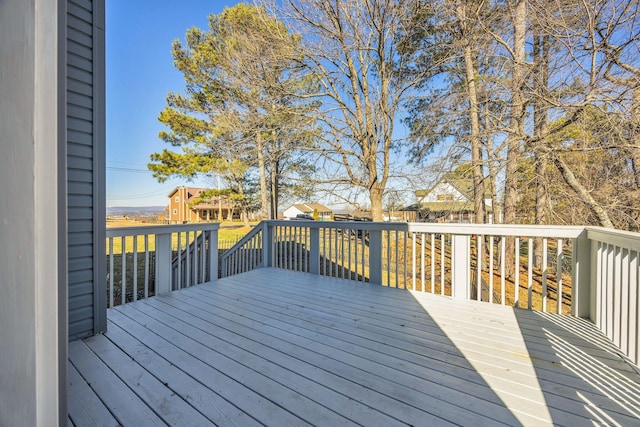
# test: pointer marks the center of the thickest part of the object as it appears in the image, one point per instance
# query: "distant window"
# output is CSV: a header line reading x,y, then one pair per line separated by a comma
x,y
445,197
177,199
175,211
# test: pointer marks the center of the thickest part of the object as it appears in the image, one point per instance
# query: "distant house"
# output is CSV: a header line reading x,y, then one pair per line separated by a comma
x,y
316,210
450,200
182,210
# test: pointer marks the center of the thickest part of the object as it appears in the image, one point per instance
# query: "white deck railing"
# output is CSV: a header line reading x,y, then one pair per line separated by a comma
x,y
582,271
150,260
614,286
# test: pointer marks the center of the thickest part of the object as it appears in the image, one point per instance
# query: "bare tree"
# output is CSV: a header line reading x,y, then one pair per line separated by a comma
x,y
353,47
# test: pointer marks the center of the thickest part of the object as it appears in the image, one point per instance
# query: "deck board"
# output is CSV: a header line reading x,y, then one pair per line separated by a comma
x,y
272,347
300,343
84,404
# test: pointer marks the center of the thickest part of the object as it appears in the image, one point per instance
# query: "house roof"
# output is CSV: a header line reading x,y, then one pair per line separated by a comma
x,y
192,191
464,186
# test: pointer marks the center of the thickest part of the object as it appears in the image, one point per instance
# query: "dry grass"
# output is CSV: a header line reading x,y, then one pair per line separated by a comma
x,y
229,232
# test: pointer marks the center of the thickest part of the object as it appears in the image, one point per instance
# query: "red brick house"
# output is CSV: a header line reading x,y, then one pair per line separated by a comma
x,y
182,210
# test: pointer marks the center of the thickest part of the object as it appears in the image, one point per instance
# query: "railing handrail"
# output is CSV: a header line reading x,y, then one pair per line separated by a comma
x,y
555,231
160,229
626,239
515,230
252,233
352,225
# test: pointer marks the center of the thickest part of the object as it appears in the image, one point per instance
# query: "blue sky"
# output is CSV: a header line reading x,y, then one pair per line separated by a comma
x,y
140,73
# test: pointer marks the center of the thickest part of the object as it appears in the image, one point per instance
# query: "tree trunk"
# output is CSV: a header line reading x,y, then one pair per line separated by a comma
x,y
264,201
516,120
219,200
635,138
275,174
541,127
516,128
244,211
568,176
491,178
375,196
476,143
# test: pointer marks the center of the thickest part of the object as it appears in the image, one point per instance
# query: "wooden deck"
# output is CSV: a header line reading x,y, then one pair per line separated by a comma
x,y
272,347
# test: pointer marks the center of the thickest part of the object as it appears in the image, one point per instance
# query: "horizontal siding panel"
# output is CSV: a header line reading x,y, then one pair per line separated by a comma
x,y
78,288
79,150
80,251
80,23
85,4
81,313
79,12
80,225
79,49
77,85
79,124
81,277
80,201
80,307
79,100
79,330
82,76
80,188
79,112
79,37
79,62
79,175
75,162
80,263
80,213
81,238
78,137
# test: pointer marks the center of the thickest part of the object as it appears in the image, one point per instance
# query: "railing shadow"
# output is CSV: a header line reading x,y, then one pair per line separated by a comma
x,y
575,361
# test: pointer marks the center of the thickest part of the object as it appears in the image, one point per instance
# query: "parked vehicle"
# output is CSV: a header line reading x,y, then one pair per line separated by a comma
x,y
304,217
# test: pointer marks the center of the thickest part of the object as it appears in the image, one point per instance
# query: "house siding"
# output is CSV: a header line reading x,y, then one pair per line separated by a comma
x,y
85,170
442,189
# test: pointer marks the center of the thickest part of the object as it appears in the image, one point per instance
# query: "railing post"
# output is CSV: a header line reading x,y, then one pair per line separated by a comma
x,y
582,278
163,263
314,250
213,255
267,244
460,259
375,256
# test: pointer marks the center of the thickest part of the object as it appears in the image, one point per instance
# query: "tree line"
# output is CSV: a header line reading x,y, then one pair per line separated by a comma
x,y
539,99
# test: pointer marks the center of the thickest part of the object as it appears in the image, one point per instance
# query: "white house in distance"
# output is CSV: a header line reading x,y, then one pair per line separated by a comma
x,y
323,213
450,200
